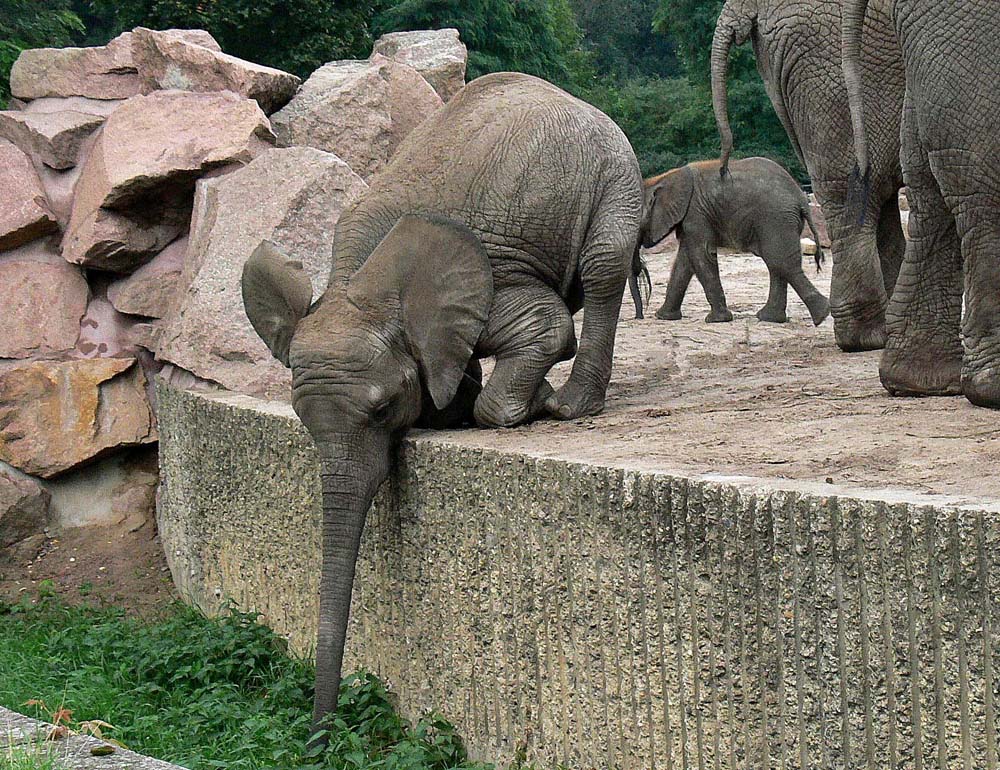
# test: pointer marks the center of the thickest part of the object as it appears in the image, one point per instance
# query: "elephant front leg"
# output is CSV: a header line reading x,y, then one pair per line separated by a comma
x,y
706,267
923,354
529,330
680,278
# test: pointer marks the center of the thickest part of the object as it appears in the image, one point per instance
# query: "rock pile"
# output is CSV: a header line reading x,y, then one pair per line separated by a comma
x,y
136,178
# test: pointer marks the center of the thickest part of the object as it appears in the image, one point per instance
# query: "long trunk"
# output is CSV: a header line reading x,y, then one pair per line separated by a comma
x,y
853,23
721,45
346,499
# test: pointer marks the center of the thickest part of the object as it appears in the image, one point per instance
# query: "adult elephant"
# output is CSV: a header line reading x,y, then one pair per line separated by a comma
x,y
797,46
951,164
499,217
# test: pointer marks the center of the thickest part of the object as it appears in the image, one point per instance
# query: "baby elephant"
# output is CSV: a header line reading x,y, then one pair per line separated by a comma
x,y
756,207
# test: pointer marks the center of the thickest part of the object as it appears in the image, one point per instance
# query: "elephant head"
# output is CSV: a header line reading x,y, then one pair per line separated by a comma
x,y
734,27
361,357
667,199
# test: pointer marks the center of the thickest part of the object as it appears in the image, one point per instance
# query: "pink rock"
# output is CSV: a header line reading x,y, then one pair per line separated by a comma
x,y
56,416
102,107
101,72
437,54
358,110
24,508
134,192
104,332
24,214
43,304
167,61
292,197
151,290
52,137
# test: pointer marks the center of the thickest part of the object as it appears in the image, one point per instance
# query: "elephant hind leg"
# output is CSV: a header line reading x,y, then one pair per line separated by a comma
x,y
891,242
923,353
529,330
783,256
775,309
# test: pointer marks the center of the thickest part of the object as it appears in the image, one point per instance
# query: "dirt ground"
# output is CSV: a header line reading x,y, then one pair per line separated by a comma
x,y
766,400
93,566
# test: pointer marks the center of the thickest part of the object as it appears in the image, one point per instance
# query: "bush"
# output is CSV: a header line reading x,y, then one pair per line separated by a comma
x,y
32,24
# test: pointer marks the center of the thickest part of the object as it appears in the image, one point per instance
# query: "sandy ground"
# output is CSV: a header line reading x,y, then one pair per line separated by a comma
x,y
767,400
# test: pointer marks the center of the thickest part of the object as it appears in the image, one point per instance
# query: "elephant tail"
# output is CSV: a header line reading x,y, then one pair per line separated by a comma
x,y
732,28
852,30
807,215
639,282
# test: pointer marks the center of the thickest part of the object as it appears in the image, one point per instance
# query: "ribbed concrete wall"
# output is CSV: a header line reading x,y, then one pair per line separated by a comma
x,y
602,617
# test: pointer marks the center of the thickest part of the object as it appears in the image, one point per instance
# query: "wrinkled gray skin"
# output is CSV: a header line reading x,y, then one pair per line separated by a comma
x,y
756,207
797,46
504,213
951,164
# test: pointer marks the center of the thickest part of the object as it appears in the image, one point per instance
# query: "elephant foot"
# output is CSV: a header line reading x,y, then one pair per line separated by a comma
x,y
981,384
719,317
772,315
857,337
572,401
492,411
669,314
819,308
924,376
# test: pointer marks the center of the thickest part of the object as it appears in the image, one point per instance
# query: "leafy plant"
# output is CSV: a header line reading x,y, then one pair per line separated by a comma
x,y
203,692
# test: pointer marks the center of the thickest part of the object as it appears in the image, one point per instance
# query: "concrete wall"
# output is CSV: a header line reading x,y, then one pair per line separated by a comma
x,y
602,617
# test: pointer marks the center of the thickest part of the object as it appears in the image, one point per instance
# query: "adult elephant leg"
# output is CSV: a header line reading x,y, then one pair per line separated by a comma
x,y
774,310
980,230
529,330
680,278
923,354
857,287
706,267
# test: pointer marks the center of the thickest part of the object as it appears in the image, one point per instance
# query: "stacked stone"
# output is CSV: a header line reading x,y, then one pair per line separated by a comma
x,y
136,178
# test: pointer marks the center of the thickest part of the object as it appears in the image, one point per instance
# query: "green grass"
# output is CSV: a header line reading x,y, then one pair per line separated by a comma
x,y
204,693
30,757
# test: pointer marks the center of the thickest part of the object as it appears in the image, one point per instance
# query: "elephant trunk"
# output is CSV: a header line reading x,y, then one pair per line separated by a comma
x,y
853,23
722,42
349,485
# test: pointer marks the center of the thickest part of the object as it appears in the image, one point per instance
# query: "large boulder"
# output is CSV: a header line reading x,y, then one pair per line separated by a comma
x,y
24,508
133,196
150,291
167,61
102,107
101,72
43,305
358,110
24,214
55,416
292,197
437,54
54,138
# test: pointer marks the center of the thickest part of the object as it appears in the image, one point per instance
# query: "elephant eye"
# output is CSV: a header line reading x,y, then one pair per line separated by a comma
x,y
382,413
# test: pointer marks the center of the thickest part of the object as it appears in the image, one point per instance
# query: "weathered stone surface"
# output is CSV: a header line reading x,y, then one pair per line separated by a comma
x,y
100,72
134,192
24,508
292,197
43,304
151,290
102,107
55,416
166,61
595,600
52,137
358,110
104,332
24,214
437,54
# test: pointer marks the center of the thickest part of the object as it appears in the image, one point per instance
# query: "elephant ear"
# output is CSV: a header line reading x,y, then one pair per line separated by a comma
x,y
276,296
667,200
438,272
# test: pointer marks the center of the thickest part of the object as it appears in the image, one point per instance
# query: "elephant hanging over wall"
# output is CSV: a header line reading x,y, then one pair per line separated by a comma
x,y
499,217
951,165
757,207
797,45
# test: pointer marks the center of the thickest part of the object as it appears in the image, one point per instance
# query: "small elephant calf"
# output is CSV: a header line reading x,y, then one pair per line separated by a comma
x,y
756,207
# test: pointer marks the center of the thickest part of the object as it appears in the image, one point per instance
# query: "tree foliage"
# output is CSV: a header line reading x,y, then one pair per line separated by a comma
x,y
619,35
540,37
33,24
294,35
